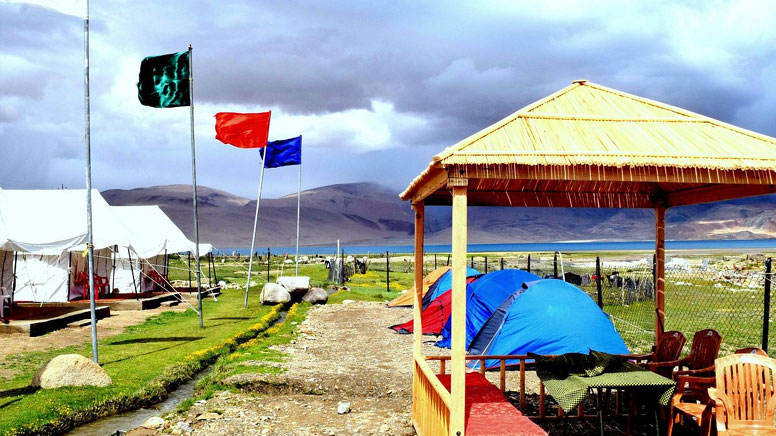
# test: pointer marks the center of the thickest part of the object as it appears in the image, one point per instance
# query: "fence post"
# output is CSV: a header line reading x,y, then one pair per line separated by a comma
x,y
555,265
654,275
342,267
435,263
471,262
388,272
268,254
486,264
448,260
767,303
529,263
598,282
501,263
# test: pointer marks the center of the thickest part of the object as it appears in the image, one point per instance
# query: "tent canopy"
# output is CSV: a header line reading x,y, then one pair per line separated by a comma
x,y
550,317
483,296
405,299
52,221
153,232
443,285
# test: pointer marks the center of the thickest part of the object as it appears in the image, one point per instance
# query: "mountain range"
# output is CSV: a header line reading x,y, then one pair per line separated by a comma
x,y
370,214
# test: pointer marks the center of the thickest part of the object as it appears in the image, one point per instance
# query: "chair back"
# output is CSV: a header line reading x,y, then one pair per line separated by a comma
x,y
704,349
748,382
669,347
752,350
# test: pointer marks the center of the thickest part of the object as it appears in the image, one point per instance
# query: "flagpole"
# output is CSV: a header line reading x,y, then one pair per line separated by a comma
x,y
253,238
194,186
87,141
298,208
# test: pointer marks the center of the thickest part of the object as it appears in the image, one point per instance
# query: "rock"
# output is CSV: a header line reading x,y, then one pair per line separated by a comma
x,y
296,286
208,416
343,408
70,370
316,296
153,422
348,301
273,293
183,426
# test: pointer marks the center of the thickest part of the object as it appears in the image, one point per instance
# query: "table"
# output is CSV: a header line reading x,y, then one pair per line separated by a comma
x,y
569,377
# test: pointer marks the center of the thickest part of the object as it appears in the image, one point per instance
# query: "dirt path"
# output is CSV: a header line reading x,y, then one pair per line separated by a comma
x,y
21,342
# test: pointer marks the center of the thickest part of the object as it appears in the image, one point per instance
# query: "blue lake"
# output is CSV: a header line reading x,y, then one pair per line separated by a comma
x,y
735,245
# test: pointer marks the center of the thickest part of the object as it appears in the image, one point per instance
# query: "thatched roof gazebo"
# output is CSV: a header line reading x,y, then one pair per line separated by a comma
x,y
583,146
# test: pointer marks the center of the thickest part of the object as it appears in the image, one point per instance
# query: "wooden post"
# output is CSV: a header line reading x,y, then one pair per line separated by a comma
x,y
529,263
435,261
555,265
417,349
501,263
598,282
660,270
268,255
767,303
388,272
486,264
458,333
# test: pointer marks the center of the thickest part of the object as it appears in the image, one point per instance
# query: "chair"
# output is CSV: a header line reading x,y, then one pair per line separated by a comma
x,y
159,280
697,405
5,301
744,399
700,361
101,284
668,348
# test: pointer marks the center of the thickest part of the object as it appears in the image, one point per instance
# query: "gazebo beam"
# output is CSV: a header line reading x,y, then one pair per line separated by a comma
x,y
660,270
438,180
634,200
711,193
600,173
458,328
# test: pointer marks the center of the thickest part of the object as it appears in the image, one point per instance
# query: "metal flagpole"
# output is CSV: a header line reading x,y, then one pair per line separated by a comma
x,y
194,186
89,235
253,239
298,206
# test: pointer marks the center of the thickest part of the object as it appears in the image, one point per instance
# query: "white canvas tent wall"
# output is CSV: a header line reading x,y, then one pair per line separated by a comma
x,y
46,232
154,236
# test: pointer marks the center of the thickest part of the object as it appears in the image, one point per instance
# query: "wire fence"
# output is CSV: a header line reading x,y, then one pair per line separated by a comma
x,y
726,293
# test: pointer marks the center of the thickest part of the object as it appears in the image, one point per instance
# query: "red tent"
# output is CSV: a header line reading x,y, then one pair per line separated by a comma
x,y
434,317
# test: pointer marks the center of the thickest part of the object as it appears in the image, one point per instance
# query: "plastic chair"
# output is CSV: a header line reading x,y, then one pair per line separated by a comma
x,y
159,280
101,284
668,348
700,361
744,399
5,301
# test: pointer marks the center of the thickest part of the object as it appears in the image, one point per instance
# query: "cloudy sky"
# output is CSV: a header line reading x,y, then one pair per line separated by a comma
x,y
376,88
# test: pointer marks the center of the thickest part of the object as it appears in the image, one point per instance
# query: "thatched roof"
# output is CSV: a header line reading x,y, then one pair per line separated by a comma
x,y
591,146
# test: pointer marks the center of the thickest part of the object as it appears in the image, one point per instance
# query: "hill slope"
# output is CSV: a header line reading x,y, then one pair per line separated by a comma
x,y
366,213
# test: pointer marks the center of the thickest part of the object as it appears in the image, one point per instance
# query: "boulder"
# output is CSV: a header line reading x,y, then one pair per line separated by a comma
x,y
316,296
296,286
70,370
273,293
153,422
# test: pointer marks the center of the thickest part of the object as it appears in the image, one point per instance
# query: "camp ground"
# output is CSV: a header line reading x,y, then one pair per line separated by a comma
x,y
43,271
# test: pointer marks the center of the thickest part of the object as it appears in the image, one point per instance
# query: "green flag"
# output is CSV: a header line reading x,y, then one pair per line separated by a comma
x,y
164,80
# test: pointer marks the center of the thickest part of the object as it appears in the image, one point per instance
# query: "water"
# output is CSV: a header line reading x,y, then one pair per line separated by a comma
x,y
128,420
587,246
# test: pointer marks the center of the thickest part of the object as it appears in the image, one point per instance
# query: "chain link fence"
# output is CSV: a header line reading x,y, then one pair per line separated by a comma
x,y
726,293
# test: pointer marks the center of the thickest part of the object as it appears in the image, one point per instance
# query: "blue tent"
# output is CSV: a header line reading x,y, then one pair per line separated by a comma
x,y
549,317
444,284
484,296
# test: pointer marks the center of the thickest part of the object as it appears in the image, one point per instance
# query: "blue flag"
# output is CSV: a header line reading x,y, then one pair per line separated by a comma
x,y
283,152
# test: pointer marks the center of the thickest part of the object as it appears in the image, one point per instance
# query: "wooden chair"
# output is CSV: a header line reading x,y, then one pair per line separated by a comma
x,y
668,348
744,399
700,361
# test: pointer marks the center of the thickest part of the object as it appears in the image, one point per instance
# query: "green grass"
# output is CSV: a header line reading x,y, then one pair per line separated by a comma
x,y
143,362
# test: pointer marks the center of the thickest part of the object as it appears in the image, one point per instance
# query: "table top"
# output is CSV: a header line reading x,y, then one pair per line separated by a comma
x,y
569,388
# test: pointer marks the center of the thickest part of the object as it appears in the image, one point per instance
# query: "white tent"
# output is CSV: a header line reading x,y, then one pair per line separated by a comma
x,y
44,234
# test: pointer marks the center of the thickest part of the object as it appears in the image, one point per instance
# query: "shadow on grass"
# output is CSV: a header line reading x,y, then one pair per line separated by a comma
x,y
152,340
17,392
151,352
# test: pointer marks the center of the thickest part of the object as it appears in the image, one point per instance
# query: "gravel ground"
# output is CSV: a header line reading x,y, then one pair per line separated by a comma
x,y
344,353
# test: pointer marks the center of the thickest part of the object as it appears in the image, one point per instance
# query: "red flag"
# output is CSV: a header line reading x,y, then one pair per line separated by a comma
x,y
243,130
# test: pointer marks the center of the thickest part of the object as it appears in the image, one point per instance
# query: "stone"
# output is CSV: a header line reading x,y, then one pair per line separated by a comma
x,y
296,286
316,296
273,293
348,301
208,416
343,407
153,422
184,426
70,370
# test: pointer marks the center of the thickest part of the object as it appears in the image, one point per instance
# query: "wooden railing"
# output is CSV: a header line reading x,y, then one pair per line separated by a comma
x,y
521,388
430,401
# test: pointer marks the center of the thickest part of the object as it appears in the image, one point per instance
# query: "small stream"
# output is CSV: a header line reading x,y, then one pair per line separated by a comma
x,y
134,418
128,420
